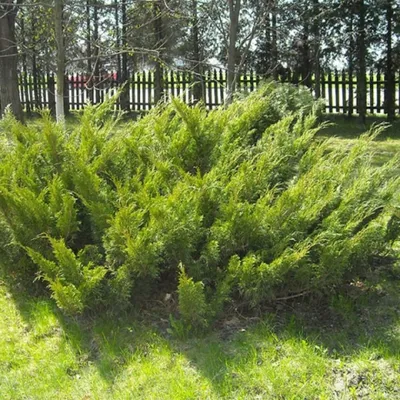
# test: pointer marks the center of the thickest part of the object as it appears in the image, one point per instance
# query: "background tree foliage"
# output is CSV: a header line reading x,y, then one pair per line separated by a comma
x,y
268,36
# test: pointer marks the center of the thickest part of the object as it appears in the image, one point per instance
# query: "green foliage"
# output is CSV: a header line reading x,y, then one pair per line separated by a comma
x,y
244,197
74,285
192,301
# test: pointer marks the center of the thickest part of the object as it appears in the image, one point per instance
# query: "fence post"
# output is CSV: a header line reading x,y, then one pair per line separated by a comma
x,y
184,81
378,91
26,90
362,93
317,81
198,85
323,83
21,91
371,91
51,90
145,88
390,88
295,77
178,83
330,96
66,95
133,91
124,80
209,90
215,82
36,89
287,76
351,94
158,83
222,84
337,96
398,85
344,91
171,82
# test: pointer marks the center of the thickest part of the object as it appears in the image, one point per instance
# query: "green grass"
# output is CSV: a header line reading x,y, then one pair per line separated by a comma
x,y
343,131
343,347
349,128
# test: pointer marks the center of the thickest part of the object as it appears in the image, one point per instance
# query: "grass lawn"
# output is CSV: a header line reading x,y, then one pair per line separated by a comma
x,y
349,128
343,131
346,346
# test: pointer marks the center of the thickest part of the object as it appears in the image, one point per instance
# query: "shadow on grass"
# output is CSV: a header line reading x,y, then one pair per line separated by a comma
x,y
343,132
362,317
351,128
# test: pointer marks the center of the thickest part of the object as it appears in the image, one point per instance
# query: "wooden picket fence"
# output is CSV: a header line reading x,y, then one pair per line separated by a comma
x,y
338,89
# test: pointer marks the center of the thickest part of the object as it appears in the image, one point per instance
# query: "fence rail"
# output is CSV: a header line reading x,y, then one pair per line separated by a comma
x,y
337,88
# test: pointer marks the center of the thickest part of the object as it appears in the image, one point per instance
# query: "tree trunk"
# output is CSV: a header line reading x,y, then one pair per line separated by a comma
x,y
89,54
234,9
351,64
361,62
306,62
158,76
118,40
124,65
35,73
267,66
96,42
274,41
25,65
9,94
390,81
198,89
88,38
317,65
59,34
89,71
